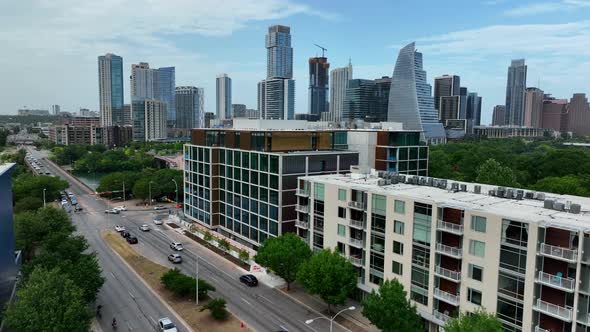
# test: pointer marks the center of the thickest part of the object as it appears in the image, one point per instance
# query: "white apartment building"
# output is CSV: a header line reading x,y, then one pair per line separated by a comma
x,y
457,247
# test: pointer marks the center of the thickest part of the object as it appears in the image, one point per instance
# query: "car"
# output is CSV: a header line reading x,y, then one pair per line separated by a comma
x,y
249,280
120,208
145,228
166,325
64,202
175,258
119,228
111,211
131,239
159,207
158,221
125,234
78,208
74,200
176,246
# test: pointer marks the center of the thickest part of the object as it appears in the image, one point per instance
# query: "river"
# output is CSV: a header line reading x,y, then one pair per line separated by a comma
x,y
90,179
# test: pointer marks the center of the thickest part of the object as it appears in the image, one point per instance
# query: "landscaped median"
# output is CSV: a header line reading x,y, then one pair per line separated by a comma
x,y
152,273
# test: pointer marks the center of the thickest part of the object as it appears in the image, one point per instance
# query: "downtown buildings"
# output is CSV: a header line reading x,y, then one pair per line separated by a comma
x,y
149,119
318,86
515,93
190,111
366,100
223,97
110,89
339,78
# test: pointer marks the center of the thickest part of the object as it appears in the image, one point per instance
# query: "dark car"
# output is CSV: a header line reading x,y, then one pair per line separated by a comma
x,y
249,280
125,234
131,239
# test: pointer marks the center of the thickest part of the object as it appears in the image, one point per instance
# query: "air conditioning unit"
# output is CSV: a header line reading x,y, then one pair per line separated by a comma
x,y
519,194
430,181
558,206
529,195
477,189
463,187
381,183
548,204
575,208
540,196
492,192
509,193
443,184
454,186
500,191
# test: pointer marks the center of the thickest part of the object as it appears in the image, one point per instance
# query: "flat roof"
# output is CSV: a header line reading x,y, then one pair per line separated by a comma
x,y
528,210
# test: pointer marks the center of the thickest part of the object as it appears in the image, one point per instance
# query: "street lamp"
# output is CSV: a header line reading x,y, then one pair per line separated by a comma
x,y
197,280
44,189
150,189
331,319
176,190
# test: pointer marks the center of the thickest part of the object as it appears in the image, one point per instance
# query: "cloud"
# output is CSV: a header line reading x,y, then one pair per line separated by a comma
x,y
547,7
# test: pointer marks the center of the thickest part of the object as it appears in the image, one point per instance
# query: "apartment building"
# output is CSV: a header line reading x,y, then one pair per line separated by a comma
x,y
69,134
457,247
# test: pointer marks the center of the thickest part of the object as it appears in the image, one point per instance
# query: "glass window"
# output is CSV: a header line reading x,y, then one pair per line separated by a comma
x,y
263,224
274,182
475,272
254,161
264,162
263,180
378,223
341,212
245,160
399,207
229,157
274,164
221,156
398,227
379,204
274,228
397,268
478,224
237,160
341,230
477,248
342,194
474,296
274,197
398,248
318,191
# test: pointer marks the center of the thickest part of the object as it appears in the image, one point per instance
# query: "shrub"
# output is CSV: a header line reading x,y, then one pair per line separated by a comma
x,y
217,308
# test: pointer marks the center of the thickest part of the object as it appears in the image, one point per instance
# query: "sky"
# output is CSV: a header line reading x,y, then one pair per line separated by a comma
x,y
50,47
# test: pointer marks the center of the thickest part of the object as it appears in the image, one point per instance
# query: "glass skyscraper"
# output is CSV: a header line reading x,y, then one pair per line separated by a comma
x,y
279,60
223,97
190,107
318,85
515,90
166,86
110,87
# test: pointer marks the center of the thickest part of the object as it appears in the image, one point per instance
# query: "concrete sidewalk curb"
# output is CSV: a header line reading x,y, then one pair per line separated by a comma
x,y
177,316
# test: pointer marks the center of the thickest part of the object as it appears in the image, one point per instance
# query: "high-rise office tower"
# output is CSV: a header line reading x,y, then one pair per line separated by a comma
x,y
149,119
318,85
110,89
166,90
499,115
190,111
55,109
473,110
515,89
339,78
366,100
579,115
151,83
533,107
143,81
276,94
223,98
410,99
127,115
446,85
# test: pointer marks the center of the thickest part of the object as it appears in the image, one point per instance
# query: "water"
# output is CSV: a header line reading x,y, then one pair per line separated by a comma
x,y
90,179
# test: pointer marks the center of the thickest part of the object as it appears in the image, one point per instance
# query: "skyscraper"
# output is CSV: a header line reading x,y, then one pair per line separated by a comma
x,y
579,115
318,85
410,99
110,89
166,90
224,110
279,53
151,83
473,110
515,89
499,115
149,119
533,108
358,101
55,109
142,82
190,102
446,85
339,78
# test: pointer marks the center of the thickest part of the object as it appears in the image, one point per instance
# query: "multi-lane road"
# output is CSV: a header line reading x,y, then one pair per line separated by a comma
x,y
261,308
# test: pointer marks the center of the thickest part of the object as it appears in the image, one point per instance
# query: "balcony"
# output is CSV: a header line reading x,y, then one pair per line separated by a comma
x,y
449,251
359,224
318,227
302,208
447,274
302,224
446,296
356,243
565,284
540,329
565,254
554,310
442,318
357,261
450,227
357,205
301,192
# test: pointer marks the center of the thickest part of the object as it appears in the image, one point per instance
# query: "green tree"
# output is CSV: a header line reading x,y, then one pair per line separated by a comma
x,y
27,186
217,308
569,184
32,228
28,204
284,255
390,310
329,275
183,285
141,189
492,172
48,301
475,321
115,181
208,236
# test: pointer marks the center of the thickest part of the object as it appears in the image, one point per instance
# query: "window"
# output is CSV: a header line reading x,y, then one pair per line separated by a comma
x,y
398,227
398,248
475,272
379,204
397,268
478,224
342,194
477,248
399,207
318,191
378,223
474,296
341,230
341,212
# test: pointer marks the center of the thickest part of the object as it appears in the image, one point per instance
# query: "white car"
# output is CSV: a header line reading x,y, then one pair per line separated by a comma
x,y
166,325
159,207
120,208
144,228
176,246
158,221
119,228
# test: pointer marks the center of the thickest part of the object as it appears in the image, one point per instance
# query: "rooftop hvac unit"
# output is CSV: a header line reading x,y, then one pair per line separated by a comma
x,y
575,208
422,181
388,182
529,194
500,191
492,192
558,206
454,186
509,193
477,189
548,204
443,184
401,178
381,183
416,179
540,196
519,194
430,181
463,187
394,180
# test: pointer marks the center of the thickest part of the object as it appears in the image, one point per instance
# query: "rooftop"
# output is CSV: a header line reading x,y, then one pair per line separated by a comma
x,y
526,209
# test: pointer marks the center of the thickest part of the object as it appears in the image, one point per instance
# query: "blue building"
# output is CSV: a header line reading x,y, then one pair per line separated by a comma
x,y
279,53
515,90
166,90
8,261
110,86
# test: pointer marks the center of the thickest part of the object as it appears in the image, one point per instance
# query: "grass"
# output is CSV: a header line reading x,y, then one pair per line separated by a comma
x,y
151,273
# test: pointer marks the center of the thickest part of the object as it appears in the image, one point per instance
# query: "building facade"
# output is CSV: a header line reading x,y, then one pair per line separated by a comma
x,y
110,89
318,85
473,111
8,258
533,108
112,136
166,91
499,115
445,86
515,92
190,112
457,247
358,100
55,109
339,78
555,114
26,112
223,97
143,81
70,134
149,120
276,99
579,115
279,53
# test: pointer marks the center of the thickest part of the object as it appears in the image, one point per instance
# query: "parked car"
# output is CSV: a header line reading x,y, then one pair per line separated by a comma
x,y
176,246
119,228
175,258
132,239
166,325
125,234
145,228
249,280
78,208
159,207
158,220
120,208
111,211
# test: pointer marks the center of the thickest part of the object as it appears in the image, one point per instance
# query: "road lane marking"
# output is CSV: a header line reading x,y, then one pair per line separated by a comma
x,y
243,299
133,297
262,297
153,321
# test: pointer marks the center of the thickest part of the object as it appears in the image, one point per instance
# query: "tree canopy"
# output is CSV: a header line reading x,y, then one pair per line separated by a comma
x,y
474,321
284,255
492,172
27,186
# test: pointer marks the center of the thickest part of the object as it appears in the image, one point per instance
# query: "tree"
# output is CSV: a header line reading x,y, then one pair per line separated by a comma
x,y
569,184
284,255
28,204
475,321
32,228
27,186
328,275
244,255
141,189
223,245
183,285
492,172
48,301
115,181
217,308
390,310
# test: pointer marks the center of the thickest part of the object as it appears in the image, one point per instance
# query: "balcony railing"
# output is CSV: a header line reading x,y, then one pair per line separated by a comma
x,y
450,227
570,255
302,208
567,284
440,316
301,192
356,242
447,274
357,205
302,224
318,227
356,260
554,310
446,296
357,224
449,251
540,329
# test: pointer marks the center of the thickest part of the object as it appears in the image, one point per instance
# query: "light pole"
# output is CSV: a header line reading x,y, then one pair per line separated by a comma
x,y
175,191
44,189
150,189
331,319
197,280
123,190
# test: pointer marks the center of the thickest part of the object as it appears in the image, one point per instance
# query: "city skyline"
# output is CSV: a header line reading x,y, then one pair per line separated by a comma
x,y
476,49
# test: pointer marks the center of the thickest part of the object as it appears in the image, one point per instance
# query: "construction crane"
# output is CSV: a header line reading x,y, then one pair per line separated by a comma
x,y
323,49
